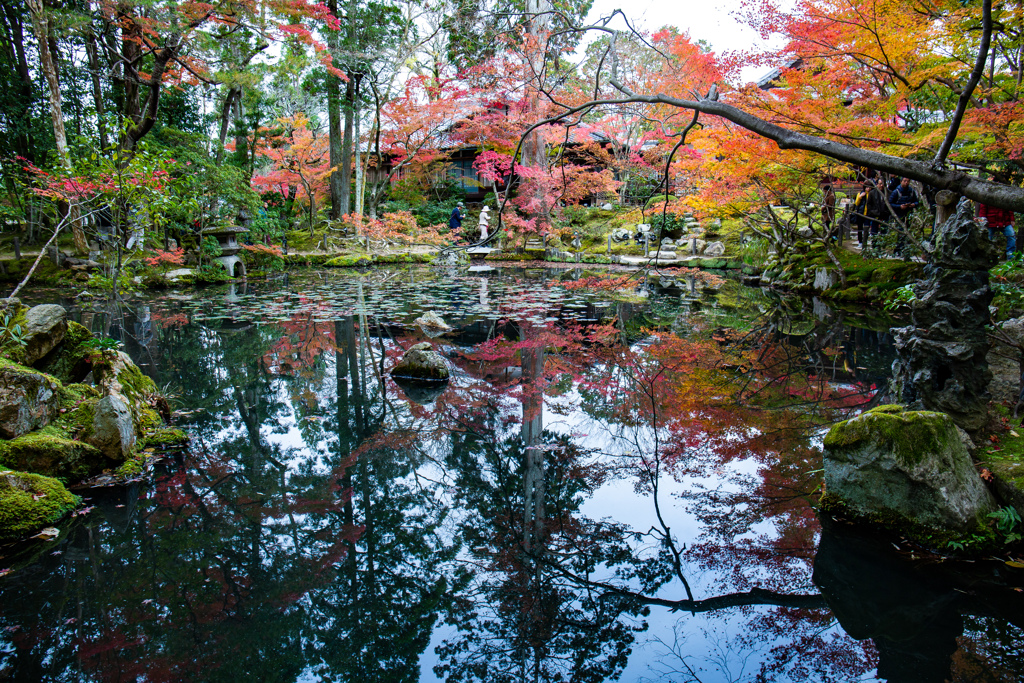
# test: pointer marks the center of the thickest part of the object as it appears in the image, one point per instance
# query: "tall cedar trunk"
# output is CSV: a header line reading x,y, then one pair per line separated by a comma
x,y
344,195
97,90
14,45
131,55
41,25
346,147
358,156
334,122
241,143
533,145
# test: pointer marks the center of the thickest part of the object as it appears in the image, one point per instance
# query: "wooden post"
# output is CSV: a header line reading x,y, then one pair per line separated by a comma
x,y
609,252
17,248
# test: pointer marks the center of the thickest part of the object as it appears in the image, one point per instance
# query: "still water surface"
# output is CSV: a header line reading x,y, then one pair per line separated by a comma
x,y
612,486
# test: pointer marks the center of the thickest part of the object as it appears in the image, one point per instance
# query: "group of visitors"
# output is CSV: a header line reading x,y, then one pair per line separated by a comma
x,y
483,224
883,207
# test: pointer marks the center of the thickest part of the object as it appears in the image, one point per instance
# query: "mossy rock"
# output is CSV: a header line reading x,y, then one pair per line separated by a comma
x,y
393,258
349,261
29,502
507,256
166,437
69,362
911,465
46,452
10,349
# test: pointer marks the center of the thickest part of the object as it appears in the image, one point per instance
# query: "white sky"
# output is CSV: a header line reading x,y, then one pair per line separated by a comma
x,y
714,21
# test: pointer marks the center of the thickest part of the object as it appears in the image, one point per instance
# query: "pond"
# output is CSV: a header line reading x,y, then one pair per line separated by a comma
x,y
614,485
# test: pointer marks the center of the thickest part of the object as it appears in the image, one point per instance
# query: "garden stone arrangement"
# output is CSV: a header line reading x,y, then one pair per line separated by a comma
x,y
71,408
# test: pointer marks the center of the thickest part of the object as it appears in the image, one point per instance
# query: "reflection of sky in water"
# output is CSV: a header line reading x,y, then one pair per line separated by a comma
x,y
724,645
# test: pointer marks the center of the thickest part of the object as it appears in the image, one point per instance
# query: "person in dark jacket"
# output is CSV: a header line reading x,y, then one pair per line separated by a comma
x,y
455,222
874,207
903,199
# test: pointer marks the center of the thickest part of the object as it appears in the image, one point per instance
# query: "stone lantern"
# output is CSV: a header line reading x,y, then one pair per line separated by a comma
x,y
227,238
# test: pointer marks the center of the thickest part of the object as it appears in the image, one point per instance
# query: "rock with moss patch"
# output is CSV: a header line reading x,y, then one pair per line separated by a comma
x,y
892,464
421,362
28,400
349,261
432,324
52,455
69,362
113,429
715,249
45,327
29,502
118,374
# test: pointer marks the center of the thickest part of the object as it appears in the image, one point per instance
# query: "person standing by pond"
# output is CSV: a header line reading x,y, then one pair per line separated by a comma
x,y
874,208
455,222
903,199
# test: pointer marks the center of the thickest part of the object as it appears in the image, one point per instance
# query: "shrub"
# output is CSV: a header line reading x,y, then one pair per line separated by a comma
x,y
263,257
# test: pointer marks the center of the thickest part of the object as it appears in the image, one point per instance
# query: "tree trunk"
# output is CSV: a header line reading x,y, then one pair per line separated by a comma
x,y
97,90
345,179
41,25
14,45
358,157
334,122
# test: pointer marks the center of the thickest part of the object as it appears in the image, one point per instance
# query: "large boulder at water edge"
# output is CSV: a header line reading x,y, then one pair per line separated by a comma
x,y
113,429
53,455
45,327
900,466
29,502
28,400
421,362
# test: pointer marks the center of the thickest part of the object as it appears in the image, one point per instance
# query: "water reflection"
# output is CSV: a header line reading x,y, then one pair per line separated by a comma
x,y
608,488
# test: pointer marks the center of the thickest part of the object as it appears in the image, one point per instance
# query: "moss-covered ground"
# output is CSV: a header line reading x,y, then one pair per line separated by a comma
x,y
29,502
1003,452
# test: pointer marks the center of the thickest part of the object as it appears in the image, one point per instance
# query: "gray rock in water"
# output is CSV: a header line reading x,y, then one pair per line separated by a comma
x,y
421,362
446,259
28,400
715,249
433,320
45,327
113,431
912,466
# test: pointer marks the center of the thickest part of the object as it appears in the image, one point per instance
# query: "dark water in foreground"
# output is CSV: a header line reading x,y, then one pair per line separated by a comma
x,y
610,487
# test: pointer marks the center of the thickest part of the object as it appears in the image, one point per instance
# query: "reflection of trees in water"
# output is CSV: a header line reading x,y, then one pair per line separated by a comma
x,y
329,546
248,559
